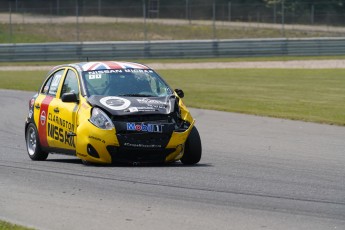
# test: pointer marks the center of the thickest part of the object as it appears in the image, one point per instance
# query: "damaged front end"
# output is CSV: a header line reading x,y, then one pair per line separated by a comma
x,y
147,130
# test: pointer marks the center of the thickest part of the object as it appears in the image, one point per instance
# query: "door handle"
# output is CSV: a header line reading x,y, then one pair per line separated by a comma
x,y
37,106
56,110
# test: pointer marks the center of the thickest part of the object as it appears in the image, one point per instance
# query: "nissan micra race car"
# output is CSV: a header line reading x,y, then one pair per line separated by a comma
x,y
107,112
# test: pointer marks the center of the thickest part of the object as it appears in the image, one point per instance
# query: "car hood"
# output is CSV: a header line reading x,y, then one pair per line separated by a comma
x,y
120,105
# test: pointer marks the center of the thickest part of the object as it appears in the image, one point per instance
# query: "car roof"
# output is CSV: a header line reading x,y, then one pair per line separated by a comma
x,y
103,65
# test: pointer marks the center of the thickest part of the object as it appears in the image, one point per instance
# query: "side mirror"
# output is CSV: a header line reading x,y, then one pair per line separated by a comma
x,y
69,97
179,93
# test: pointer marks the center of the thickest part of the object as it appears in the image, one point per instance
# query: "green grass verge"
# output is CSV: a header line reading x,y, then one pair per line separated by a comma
x,y
309,95
133,31
189,60
8,226
22,80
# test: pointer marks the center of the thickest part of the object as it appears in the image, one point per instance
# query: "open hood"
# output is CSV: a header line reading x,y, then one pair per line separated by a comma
x,y
121,105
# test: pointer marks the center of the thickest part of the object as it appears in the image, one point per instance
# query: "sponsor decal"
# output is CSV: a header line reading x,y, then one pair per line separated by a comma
x,y
97,139
61,122
141,145
43,118
115,103
42,125
60,129
61,135
141,109
155,104
146,109
150,101
138,71
105,71
133,109
98,74
150,128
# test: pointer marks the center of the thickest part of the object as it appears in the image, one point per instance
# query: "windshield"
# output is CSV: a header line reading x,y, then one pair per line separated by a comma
x,y
125,82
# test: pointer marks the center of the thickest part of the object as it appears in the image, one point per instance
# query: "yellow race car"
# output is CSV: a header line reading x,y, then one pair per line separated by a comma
x,y
107,112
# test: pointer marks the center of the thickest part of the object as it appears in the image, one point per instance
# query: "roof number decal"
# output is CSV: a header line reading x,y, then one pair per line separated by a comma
x,y
95,76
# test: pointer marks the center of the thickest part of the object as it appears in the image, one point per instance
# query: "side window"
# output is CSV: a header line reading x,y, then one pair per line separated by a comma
x,y
70,84
55,82
46,86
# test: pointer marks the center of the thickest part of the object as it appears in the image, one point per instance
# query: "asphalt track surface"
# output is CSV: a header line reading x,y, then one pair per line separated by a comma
x,y
255,173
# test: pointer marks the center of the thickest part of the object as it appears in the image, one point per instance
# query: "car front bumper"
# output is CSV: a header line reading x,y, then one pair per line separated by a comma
x,y
106,146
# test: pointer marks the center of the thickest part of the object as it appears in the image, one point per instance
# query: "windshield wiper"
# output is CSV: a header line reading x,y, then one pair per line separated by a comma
x,y
135,95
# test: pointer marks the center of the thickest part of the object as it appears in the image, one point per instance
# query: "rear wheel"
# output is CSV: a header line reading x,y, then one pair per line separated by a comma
x,y
33,144
193,150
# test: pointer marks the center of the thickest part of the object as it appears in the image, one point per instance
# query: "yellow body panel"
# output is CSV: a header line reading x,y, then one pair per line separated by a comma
x,y
177,141
87,134
62,125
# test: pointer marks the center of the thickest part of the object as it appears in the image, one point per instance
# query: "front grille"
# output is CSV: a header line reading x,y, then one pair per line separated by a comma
x,y
131,155
143,140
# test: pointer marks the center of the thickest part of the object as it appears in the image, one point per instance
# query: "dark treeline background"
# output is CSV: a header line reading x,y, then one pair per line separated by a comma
x,y
331,12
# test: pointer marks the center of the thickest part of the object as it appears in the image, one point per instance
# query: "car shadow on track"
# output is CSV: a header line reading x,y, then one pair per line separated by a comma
x,y
69,161
118,165
169,165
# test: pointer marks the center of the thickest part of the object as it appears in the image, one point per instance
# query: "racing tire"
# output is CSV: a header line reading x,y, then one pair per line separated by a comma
x,y
33,144
193,149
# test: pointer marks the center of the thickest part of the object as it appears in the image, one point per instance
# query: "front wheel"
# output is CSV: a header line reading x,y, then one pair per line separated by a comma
x,y
192,152
33,144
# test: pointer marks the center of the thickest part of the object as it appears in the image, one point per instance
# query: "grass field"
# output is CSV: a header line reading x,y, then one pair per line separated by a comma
x,y
7,226
132,31
309,95
191,60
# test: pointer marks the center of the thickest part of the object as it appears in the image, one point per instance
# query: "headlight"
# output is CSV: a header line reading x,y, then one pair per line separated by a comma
x,y
100,119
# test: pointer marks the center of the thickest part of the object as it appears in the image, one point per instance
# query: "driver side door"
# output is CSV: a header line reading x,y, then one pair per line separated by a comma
x,y
65,113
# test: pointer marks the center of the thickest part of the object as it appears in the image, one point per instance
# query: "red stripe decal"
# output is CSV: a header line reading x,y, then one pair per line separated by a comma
x,y
42,123
140,66
93,66
112,65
